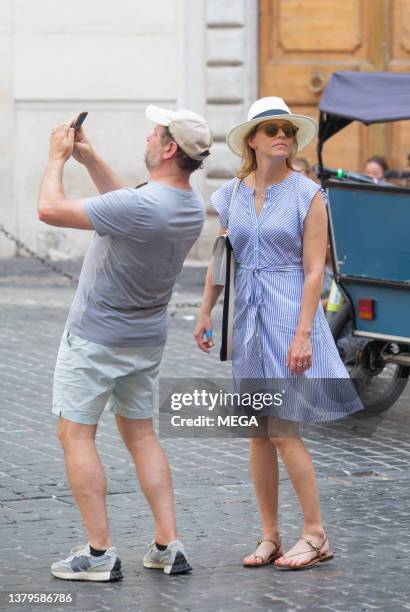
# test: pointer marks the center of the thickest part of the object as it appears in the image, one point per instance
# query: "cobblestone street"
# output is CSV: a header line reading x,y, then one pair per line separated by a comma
x,y
364,482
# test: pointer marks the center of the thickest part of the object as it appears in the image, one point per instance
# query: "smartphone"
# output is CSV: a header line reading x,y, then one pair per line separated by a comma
x,y
77,123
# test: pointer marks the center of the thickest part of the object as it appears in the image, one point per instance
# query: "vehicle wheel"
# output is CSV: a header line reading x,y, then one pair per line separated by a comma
x,y
379,384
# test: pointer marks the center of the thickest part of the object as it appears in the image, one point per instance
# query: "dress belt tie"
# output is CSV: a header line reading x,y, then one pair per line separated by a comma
x,y
254,290
255,297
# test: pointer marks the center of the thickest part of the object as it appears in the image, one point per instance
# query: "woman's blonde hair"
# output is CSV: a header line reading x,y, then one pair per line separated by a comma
x,y
248,164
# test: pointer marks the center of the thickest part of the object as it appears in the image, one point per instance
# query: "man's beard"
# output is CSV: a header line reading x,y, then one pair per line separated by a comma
x,y
151,160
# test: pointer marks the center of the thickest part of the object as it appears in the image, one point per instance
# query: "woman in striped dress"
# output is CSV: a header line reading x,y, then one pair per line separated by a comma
x,y
277,225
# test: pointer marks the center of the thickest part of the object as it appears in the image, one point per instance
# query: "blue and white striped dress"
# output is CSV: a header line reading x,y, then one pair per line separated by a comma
x,y
268,294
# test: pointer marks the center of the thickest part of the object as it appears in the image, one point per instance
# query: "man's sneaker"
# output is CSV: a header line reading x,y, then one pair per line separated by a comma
x,y
81,565
172,560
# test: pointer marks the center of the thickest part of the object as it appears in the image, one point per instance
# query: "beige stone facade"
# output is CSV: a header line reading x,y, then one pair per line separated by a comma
x,y
112,58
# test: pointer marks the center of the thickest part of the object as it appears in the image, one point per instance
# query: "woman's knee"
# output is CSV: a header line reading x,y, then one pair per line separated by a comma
x,y
285,442
261,442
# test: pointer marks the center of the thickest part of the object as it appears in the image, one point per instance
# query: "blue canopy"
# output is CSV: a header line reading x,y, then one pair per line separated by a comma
x,y
369,97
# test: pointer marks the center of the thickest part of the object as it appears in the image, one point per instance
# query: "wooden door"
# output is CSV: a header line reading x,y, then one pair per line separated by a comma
x,y
302,42
398,60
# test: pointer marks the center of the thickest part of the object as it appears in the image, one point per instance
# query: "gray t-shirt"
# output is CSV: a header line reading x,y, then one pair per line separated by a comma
x,y
142,238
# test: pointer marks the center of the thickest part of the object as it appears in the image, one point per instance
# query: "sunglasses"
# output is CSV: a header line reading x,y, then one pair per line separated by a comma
x,y
271,129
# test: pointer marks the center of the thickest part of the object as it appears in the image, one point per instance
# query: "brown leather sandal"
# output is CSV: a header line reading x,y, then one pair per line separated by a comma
x,y
276,553
319,558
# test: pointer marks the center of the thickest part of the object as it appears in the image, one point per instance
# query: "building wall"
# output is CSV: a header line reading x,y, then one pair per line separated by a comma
x,y
231,52
112,58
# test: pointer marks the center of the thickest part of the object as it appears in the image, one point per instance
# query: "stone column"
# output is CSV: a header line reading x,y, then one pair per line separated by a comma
x,y
231,87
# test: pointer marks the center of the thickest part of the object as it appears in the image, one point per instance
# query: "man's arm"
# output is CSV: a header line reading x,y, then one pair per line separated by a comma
x,y
103,177
53,208
101,174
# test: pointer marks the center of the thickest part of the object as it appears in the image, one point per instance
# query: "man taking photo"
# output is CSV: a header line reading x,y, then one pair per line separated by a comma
x,y
114,337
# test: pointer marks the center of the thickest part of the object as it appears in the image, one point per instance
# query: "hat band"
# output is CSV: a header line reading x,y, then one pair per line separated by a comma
x,y
273,111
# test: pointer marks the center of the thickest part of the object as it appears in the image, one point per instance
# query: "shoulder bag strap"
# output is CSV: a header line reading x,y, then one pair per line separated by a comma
x,y
234,192
229,295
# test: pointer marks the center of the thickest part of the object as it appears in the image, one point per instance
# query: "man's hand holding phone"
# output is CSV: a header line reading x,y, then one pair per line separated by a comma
x,y
83,152
61,142
79,120
69,139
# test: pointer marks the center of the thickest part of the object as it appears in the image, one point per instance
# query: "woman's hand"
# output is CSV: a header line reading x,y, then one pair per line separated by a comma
x,y
299,357
203,333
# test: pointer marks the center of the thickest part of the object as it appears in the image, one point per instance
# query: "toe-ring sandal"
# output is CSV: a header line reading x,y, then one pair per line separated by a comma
x,y
275,554
319,558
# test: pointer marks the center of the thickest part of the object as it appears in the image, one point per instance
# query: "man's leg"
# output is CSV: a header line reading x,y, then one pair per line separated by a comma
x,y
153,473
87,479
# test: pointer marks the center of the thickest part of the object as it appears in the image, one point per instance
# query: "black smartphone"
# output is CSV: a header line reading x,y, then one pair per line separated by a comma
x,y
77,123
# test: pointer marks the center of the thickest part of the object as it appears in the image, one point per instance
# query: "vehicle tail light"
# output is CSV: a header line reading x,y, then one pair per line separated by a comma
x,y
366,309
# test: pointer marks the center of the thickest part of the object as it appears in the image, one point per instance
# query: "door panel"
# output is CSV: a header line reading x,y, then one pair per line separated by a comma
x,y
296,83
317,30
400,32
302,42
398,134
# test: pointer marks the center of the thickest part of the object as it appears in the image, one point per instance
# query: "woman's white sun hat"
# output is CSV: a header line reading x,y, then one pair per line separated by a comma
x,y
266,109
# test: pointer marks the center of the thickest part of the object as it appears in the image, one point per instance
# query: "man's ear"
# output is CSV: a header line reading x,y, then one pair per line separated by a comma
x,y
170,149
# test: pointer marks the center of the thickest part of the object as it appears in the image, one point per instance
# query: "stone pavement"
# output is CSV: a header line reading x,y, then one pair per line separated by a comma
x,y
363,479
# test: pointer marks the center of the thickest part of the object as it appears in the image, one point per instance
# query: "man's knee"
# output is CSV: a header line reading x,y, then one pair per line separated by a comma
x,y
135,432
68,432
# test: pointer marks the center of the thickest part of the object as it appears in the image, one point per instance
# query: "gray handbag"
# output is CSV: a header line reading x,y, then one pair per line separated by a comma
x,y
223,273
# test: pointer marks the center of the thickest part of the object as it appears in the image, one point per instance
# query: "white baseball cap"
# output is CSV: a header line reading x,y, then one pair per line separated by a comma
x,y
189,130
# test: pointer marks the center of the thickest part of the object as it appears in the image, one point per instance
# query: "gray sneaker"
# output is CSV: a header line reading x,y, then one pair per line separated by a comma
x,y
173,560
81,565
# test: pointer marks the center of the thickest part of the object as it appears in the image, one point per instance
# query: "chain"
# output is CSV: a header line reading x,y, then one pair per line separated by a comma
x,y
185,305
46,262
190,304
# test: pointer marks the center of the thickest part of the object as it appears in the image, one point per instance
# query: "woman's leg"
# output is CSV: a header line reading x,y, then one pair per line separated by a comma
x,y
299,467
265,477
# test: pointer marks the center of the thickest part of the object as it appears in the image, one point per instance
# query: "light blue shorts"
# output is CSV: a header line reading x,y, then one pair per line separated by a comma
x,y
89,377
